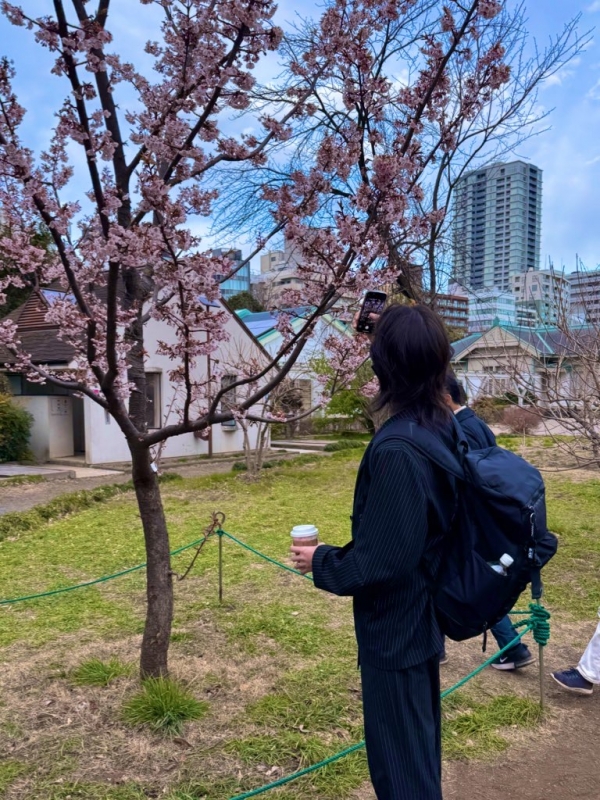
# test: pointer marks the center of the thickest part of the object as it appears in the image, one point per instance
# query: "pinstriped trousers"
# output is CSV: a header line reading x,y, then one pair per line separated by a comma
x,y
403,731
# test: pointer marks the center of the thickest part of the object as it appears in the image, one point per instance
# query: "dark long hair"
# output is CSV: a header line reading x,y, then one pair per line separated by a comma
x,y
454,389
410,354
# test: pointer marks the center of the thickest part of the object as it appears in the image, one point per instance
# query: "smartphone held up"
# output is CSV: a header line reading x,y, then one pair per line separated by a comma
x,y
373,303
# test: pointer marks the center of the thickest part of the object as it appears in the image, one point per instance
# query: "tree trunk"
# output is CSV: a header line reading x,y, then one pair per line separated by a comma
x,y
159,581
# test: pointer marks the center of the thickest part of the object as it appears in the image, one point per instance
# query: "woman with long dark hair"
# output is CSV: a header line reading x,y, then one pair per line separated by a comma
x,y
403,506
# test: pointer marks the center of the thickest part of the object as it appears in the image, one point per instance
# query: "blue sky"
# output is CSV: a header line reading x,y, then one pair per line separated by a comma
x,y
569,153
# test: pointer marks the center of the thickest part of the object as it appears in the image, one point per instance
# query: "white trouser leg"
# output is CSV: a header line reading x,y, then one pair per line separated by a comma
x,y
589,666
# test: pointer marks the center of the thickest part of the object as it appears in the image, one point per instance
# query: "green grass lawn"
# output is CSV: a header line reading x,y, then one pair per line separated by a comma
x,y
274,668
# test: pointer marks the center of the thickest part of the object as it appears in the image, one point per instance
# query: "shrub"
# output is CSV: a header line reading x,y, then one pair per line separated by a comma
x,y
163,705
15,427
519,419
344,444
490,409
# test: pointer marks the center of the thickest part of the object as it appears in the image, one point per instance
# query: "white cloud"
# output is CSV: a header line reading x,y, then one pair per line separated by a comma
x,y
594,92
595,6
562,75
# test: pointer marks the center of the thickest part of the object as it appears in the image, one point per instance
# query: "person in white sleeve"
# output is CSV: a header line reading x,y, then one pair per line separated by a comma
x,y
582,678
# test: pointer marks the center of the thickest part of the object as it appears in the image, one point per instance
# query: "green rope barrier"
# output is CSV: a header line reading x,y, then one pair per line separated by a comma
x,y
337,756
295,775
540,623
95,581
262,555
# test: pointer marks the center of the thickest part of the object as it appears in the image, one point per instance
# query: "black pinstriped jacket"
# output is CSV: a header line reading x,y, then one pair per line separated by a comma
x,y
403,505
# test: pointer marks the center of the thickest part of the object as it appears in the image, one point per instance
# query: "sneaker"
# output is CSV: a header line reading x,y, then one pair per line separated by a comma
x,y
516,660
443,658
573,681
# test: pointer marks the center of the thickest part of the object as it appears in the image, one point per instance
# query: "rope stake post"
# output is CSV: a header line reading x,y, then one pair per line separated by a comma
x,y
220,534
541,660
540,619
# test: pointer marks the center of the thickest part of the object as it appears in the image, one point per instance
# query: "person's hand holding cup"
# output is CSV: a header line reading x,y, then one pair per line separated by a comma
x,y
305,540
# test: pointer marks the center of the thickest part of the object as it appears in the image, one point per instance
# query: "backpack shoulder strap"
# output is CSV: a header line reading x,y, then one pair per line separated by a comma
x,y
423,441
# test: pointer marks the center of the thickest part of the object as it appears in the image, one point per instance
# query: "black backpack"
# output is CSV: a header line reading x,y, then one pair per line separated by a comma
x,y
501,508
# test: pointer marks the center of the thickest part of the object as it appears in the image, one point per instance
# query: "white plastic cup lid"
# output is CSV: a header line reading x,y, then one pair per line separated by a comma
x,y
304,531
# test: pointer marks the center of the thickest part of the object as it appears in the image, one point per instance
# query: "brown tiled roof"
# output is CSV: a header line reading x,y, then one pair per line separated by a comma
x,y
38,338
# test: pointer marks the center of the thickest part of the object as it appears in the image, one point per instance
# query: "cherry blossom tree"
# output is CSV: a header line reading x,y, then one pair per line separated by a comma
x,y
153,145
487,108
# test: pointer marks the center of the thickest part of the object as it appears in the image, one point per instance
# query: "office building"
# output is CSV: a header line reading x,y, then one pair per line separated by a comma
x,y
585,296
497,225
240,282
545,292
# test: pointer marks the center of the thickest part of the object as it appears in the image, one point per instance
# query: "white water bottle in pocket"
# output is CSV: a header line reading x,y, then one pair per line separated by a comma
x,y
503,565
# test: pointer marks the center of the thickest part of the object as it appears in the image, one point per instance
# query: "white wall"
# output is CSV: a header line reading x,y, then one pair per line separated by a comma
x,y
105,443
52,429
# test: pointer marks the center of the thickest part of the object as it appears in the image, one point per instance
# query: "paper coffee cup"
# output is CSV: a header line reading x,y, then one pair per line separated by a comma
x,y
305,536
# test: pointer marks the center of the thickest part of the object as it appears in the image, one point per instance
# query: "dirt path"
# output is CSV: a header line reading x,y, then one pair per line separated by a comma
x,y
559,762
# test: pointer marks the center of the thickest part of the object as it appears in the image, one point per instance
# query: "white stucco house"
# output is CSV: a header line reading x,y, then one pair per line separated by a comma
x,y
262,326
66,426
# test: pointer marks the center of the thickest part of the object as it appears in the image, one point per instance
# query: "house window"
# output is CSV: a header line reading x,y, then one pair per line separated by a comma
x,y
153,400
229,398
304,388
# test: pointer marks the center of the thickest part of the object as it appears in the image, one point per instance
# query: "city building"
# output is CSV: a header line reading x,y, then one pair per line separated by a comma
x,y
545,292
490,307
278,273
497,225
454,310
240,282
585,296
263,326
526,315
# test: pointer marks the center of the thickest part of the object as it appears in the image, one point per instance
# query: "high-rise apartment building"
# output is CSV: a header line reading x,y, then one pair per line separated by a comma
x,y
497,225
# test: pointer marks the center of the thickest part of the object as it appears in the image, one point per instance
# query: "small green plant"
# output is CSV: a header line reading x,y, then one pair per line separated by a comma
x,y
163,705
490,409
100,673
21,480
